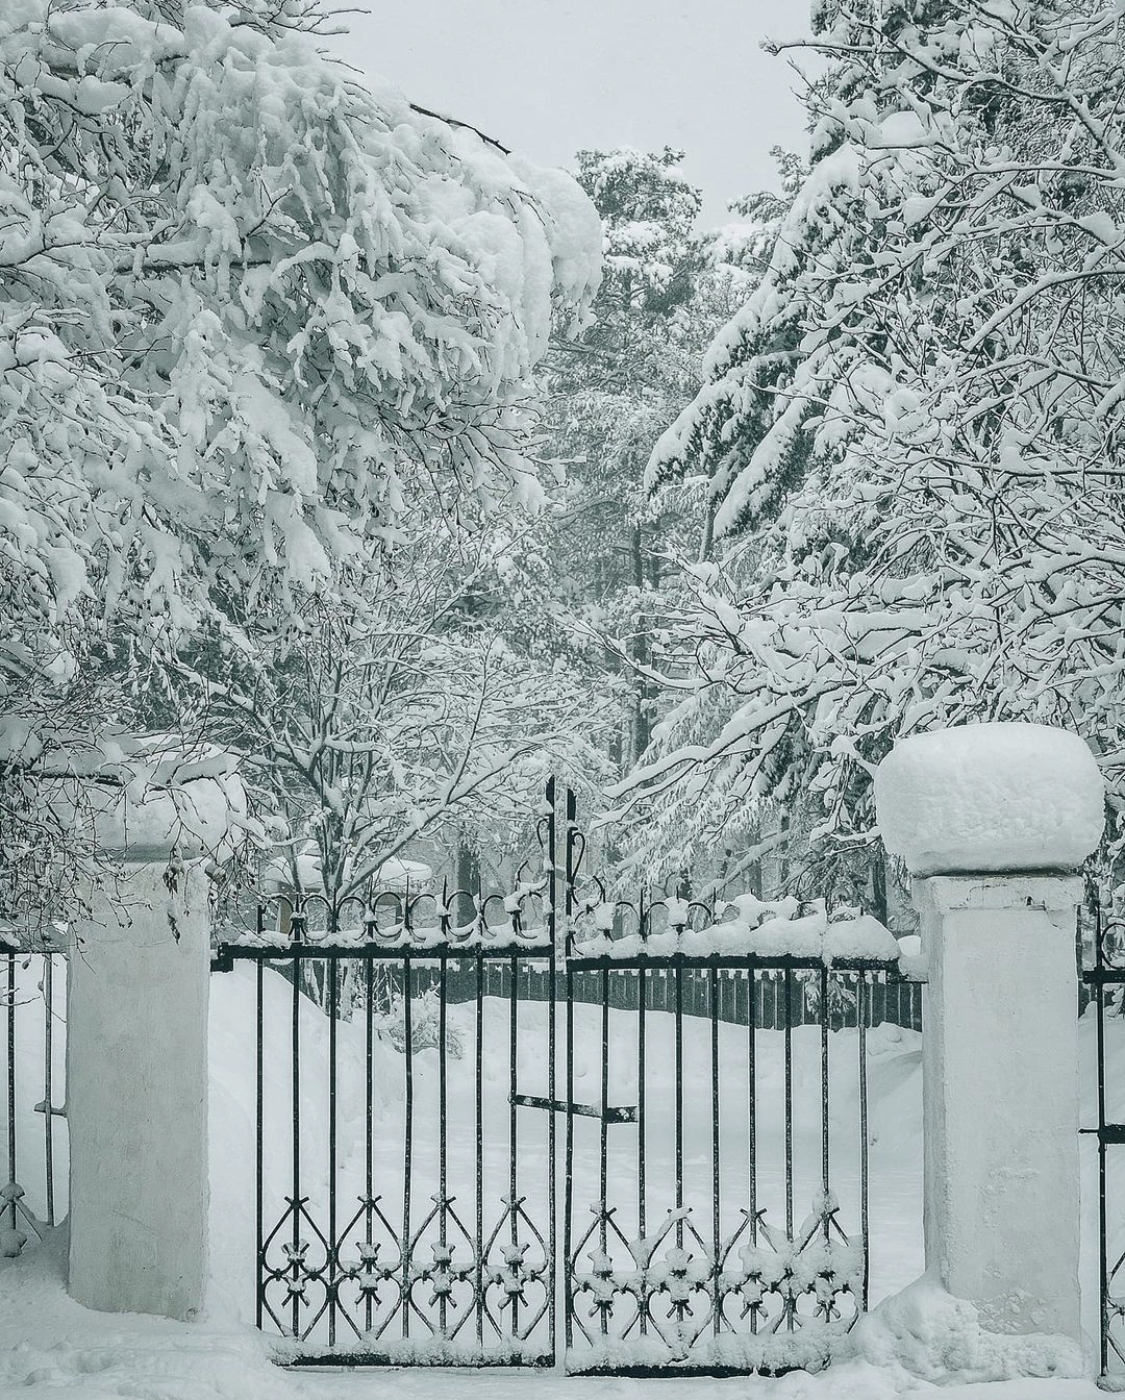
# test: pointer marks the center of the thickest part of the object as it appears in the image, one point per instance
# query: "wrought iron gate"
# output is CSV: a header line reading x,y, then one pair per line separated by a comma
x,y
563,1128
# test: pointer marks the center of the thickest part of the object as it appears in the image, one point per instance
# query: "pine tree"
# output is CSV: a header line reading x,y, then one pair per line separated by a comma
x,y
614,390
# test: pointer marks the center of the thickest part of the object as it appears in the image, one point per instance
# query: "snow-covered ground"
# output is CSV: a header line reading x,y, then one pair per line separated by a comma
x,y
48,1343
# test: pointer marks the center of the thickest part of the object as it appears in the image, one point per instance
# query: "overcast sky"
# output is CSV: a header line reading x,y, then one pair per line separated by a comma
x,y
551,77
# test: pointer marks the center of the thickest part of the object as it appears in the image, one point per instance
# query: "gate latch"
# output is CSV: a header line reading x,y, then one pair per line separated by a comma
x,y
610,1115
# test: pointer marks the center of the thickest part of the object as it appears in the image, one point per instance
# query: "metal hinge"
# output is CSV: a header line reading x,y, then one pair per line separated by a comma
x,y
1111,1133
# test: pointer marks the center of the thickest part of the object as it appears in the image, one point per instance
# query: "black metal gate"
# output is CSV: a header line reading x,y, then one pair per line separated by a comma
x,y
552,1127
1104,983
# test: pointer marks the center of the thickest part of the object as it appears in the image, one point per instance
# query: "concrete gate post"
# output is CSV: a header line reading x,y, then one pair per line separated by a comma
x,y
992,821
137,1055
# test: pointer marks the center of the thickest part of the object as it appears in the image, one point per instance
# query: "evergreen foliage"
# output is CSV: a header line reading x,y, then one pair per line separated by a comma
x,y
912,430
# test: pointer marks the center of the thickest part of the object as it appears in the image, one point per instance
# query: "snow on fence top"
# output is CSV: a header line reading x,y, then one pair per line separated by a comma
x,y
748,927
990,797
752,928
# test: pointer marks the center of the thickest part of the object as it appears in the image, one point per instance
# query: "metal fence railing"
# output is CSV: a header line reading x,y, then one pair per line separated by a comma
x,y
33,1164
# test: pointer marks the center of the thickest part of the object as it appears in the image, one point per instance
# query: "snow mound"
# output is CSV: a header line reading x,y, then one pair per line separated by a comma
x,y
149,794
990,797
51,1345
928,1333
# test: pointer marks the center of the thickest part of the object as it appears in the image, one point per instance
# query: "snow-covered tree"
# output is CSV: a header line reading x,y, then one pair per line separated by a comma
x,y
403,709
612,392
246,307
912,428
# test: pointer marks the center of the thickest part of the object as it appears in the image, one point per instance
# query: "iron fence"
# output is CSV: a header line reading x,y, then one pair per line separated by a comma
x,y
775,1003
477,1142
32,1021
1104,983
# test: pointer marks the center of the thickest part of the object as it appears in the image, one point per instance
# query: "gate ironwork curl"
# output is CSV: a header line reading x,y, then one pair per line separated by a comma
x,y
558,1129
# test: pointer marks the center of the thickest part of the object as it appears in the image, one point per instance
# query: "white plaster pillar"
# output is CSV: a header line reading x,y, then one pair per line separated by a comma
x,y
137,1093
992,820
999,1058
137,1039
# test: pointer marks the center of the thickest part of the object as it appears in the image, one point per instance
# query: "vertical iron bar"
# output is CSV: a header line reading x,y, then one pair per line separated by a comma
x,y
1103,1262
48,1084
556,1293
368,1097
864,1013
789,1103
479,1092
752,1115
295,1049
333,1252
824,1026
568,1204
513,1059
642,989
716,1223
259,1099
571,813
443,1145
679,1034
603,1140
408,1145
552,1245
571,870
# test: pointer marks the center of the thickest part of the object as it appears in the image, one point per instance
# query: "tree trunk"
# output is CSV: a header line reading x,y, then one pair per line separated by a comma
x,y
639,650
468,884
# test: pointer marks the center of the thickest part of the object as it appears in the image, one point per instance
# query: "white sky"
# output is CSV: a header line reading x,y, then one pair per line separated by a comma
x,y
550,77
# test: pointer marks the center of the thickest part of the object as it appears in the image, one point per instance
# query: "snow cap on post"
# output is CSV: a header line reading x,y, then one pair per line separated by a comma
x,y
990,798
155,796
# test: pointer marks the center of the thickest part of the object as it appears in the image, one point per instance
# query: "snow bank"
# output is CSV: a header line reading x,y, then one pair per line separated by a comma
x,y
938,1338
50,1344
914,1342
990,797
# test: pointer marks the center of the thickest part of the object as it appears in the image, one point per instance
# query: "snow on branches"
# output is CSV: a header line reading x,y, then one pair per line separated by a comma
x,y
246,306
912,429
242,297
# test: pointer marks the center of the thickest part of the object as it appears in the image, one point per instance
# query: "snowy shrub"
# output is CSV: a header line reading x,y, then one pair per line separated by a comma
x,y
425,1025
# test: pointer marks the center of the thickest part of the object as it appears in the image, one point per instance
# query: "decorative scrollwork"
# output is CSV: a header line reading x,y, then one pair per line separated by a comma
x,y
684,1302
367,1286
368,1273
1111,946
295,1288
517,1274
